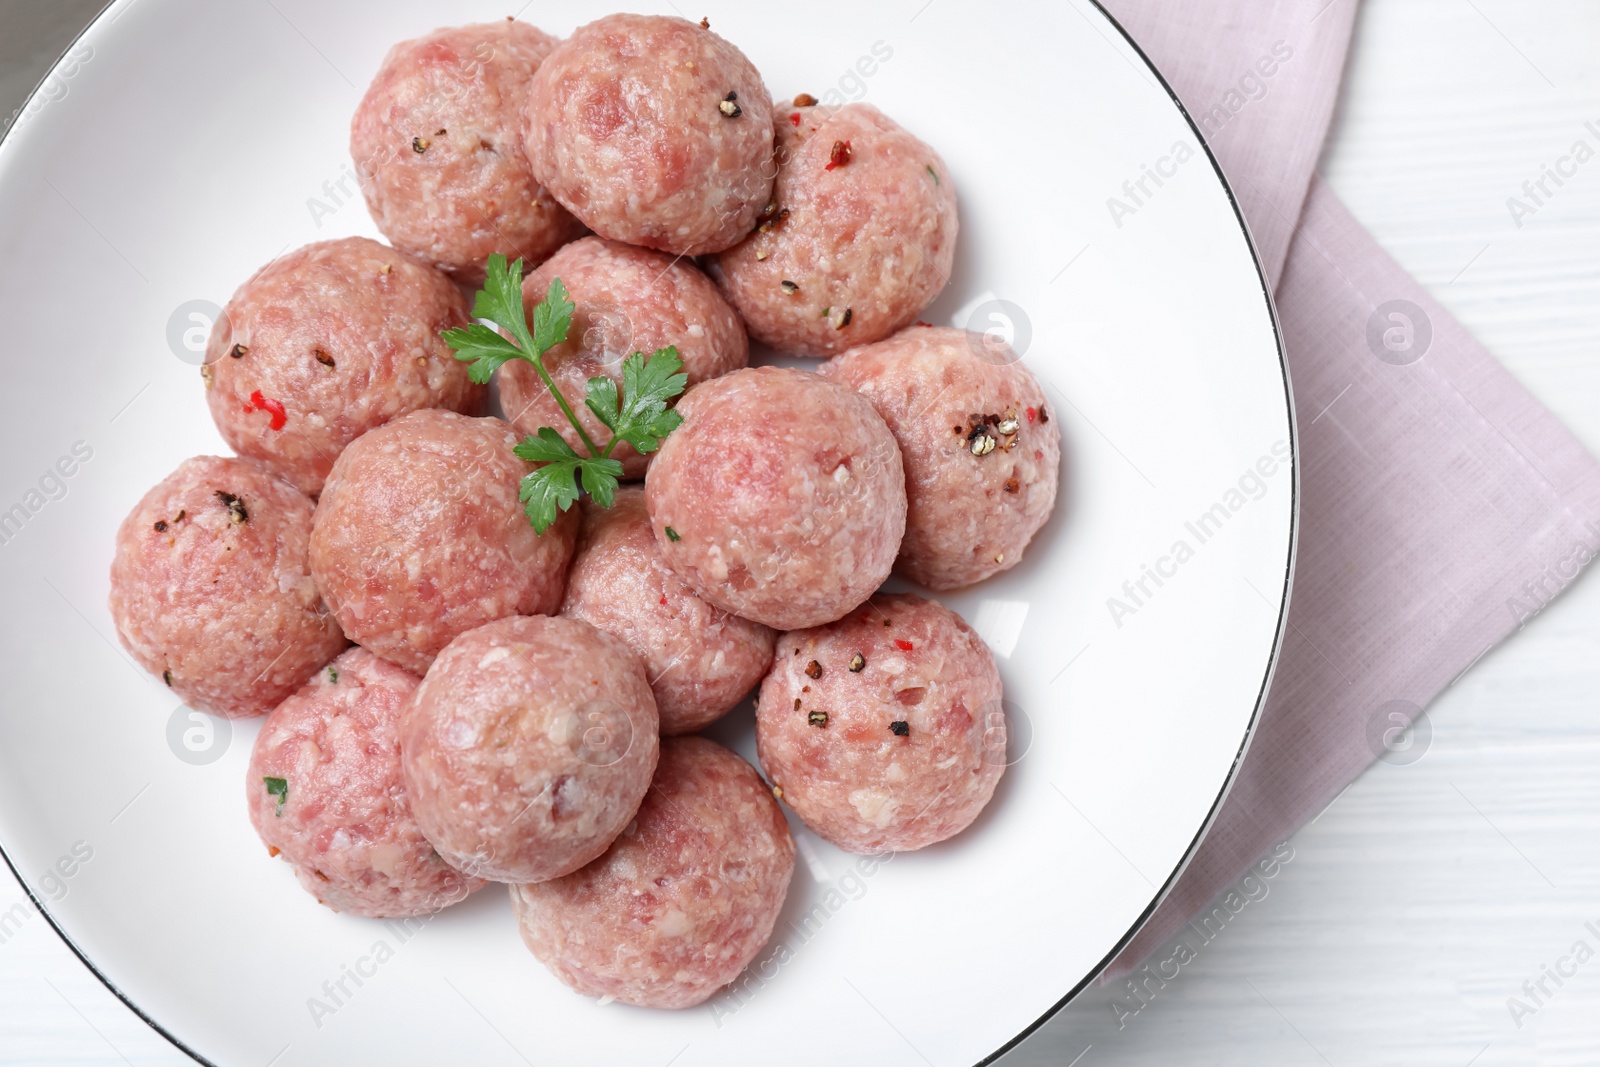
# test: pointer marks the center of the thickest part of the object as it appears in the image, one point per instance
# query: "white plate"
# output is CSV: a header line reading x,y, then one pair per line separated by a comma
x,y
182,143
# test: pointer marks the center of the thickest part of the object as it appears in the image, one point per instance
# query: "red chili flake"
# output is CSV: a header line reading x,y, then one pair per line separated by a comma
x,y
903,646
272,851
839,156
795,119
1033,413
927,324
663,601
271,407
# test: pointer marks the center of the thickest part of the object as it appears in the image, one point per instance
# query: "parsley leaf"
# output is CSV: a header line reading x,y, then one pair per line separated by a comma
x,y
552,317
278,787
553,488
636,414
640,416
483,347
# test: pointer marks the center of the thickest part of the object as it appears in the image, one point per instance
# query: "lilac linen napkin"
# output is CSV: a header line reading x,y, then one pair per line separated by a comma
x,y
1442,506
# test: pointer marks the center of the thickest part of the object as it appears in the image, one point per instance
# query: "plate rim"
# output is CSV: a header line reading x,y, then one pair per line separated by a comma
x,y
1289,572
1193,848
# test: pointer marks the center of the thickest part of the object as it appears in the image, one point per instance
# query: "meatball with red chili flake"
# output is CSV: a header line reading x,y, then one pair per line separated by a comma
x,y
325,793
528,747
683,900
627,300
858,239
780,498
326,343
437,142
982,454
420,537
884,731
654,131
211,587
701,660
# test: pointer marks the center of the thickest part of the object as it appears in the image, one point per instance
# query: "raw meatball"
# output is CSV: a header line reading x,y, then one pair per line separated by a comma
x,y
437,143
860,239
701,660
528,747
981,452
324,344
211,588
884,731
653,131
781,498
685,898
419,536
628,300
325,793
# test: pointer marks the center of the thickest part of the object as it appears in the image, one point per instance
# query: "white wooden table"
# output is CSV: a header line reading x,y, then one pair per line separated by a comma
x,y
1429,893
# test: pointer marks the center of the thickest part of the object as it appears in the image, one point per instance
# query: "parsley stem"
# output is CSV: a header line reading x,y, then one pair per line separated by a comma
x,y
538,364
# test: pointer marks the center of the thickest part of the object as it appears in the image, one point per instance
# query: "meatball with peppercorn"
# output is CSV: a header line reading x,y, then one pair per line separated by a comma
x,y
326,343
857,240
211,587
683,900
437,141
654,131
884,731
982,456
325,793
701,660
781,497
419,536
627,300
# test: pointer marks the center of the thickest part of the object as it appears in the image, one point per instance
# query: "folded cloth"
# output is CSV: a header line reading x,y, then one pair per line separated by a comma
x,y
1441,505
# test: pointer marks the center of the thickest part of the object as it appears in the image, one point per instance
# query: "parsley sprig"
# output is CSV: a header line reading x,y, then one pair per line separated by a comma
x,y
637,414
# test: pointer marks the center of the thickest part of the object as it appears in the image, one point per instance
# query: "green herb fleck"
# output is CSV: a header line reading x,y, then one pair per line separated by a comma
x,y
637,413
672,535
932,174
278,787
333,675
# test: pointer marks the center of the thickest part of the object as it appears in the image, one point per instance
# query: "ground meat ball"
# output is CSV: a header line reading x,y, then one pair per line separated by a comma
x,y
781,498
528,747
653,131
683,900
324,344
211,588
341,817
419,536
861,238
437,142
982,454
884,731
628,300
701,660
